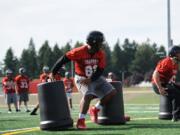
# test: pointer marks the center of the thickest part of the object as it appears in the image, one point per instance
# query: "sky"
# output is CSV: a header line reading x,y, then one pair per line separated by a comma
x,y
60,21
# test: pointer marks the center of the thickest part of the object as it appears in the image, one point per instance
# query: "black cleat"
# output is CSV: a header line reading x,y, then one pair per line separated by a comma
x,y
18,110
33,113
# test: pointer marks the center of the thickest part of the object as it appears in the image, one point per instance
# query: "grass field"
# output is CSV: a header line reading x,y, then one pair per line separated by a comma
x,y
140,105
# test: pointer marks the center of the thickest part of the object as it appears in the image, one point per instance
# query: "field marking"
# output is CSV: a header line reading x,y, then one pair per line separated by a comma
x,y
26,130
150,118
5,117
19,131
141,104
137,92
142,112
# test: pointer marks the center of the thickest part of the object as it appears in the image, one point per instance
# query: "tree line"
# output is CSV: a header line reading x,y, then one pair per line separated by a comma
x,y
135,61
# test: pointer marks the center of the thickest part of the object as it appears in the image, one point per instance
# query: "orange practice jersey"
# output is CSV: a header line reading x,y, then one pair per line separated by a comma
x,y
68,84
44,77
85,63
166,69
22,83
8,85
57,77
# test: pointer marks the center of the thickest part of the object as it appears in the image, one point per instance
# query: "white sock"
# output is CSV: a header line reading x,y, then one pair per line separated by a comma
x,y
98,106
82,116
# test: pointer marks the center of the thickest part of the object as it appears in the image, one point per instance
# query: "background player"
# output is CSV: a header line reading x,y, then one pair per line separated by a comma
x,y
8,84
43,78
68,84
22,88
163,80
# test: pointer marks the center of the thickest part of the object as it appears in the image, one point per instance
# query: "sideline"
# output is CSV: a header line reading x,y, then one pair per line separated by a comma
x,y
26,130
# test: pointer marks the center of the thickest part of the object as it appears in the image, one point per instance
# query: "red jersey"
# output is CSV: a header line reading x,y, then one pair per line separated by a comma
x,y
85,63
43,77
8,85
57,77
166,69
68,84
22,83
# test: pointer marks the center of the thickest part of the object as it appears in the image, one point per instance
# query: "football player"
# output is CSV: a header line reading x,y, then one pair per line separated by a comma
x,y
89,65
45,75
8,84
68,85
22,88
43,78
163,79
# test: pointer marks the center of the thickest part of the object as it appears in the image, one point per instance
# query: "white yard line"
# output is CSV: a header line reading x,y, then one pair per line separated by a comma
x,y
141,112
141,104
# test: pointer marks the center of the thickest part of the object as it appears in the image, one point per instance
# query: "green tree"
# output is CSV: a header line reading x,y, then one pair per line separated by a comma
x,y
25,60
29,60
78,44
129,50
45,56
11,62
117,60
65,49
143,61
108,60
158,53
57,53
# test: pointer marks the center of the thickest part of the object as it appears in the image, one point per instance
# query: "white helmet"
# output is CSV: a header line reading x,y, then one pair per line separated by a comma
x,y
9,71
22,70
45,69
111,75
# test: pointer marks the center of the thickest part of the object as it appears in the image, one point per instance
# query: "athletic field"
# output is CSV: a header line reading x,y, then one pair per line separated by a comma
x,y
141,104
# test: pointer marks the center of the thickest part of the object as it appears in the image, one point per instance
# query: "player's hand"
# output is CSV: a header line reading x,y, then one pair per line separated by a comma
x,y
163,91
85,81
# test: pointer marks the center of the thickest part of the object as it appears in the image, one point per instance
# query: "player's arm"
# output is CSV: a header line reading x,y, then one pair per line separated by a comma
x,y
157,81
4,84
59,63
16,84
16,87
